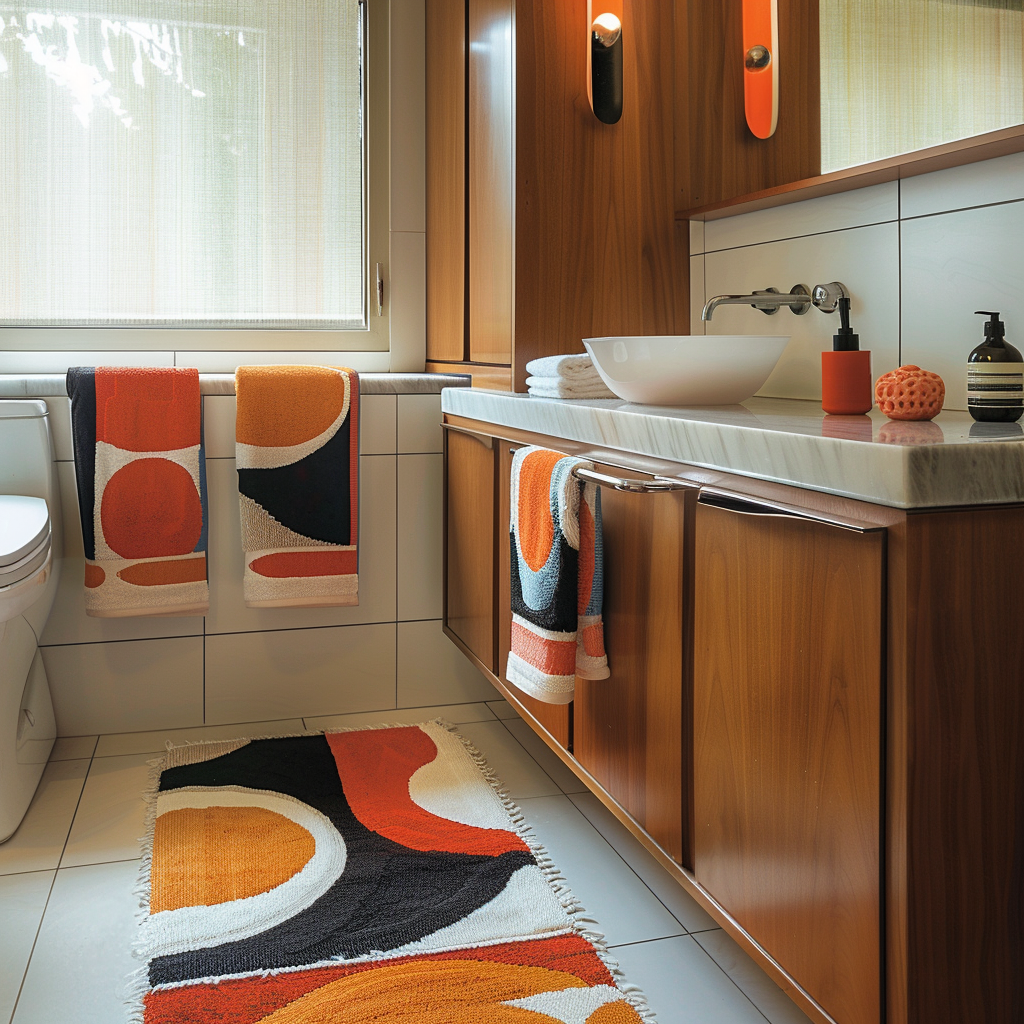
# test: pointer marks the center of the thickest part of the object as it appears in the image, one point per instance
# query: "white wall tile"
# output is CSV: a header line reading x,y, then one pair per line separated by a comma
x,y
408,300
30,360
420,524
68,623
988,181
697,296
696,237
871,205
299,672
126,687
228,362
865,259
953,264
432,670
377,425
60,428
408,116
419,423
377,555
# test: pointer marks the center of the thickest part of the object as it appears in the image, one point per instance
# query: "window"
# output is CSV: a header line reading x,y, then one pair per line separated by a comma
x,y
187,163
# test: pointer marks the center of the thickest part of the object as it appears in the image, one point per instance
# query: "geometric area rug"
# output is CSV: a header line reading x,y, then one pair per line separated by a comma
x,y
375,876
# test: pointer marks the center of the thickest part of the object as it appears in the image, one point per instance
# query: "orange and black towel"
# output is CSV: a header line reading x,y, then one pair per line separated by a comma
x,y
141,475
297,452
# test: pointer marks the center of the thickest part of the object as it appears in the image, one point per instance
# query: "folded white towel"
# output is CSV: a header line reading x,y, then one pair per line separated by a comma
x,y
558,387
569,367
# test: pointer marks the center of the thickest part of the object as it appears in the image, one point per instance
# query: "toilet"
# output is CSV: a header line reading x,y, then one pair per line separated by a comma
x,y
30,558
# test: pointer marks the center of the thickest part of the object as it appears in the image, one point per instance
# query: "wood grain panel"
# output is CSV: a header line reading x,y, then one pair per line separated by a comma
x,y
469,542
722,158
956,776
628,730
555,718
788,650
490,180
446,177
496,378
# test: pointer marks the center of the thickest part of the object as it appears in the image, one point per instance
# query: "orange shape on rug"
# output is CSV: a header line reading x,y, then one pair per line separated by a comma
x,y
94,576
314,562
208,855
160,574
151,508
619,1012
146,410
536,527
287,405
375,767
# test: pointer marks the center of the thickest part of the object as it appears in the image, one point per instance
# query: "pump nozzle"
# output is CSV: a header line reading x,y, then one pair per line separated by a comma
x,y
845,340
994,328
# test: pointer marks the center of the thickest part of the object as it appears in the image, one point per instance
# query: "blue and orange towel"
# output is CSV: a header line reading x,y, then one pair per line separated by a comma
x,y
141,489
297,452
557,575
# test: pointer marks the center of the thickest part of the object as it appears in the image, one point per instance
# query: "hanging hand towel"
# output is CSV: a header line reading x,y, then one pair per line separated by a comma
x,y
557,576
141,489
297,453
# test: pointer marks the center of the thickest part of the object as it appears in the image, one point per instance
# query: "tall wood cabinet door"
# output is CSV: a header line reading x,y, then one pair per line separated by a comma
x,y
555,719
788,627
446,178
628,730
469,482
491,33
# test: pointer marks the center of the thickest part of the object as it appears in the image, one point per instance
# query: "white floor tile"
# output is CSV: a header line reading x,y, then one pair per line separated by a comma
x,y
432,669
299,672
756,985
626,910
568,781
509,761
454,713
83,958
39,841
502,709
684,908
156,742
68,748
684,985
22,899
111,816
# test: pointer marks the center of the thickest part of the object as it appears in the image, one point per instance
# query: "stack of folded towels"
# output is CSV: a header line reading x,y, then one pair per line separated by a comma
x,y
565,377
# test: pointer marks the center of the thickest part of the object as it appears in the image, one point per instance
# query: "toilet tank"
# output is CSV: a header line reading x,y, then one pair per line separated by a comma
x,y
27,467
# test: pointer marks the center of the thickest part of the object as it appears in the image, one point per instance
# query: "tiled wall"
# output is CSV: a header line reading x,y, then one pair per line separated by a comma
x,y
919,256
248,665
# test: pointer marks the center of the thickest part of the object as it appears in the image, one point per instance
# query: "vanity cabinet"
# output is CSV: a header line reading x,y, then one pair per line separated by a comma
x,y
787,713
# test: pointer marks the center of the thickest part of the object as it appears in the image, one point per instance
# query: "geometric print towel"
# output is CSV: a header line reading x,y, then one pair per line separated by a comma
x,y
297,453
557,576
141,479
367,877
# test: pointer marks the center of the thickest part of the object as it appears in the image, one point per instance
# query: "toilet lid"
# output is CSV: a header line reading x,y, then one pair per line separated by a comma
x,y
24,524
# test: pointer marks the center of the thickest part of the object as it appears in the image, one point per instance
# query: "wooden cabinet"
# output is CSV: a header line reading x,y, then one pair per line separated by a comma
x,y
788,626
629,729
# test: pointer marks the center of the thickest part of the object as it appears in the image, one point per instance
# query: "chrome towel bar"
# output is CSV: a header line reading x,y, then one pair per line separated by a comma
x,y
655,485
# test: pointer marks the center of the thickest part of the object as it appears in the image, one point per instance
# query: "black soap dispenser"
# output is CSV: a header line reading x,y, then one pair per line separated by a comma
x,y
995,376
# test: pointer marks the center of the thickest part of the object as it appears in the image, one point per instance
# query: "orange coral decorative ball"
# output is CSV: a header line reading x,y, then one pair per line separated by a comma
x,y
910,393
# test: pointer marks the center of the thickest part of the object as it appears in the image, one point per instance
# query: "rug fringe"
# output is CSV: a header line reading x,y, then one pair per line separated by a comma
x,y
586,927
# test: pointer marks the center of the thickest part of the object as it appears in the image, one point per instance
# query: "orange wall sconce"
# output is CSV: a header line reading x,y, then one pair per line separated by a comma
x,y
604,59
761,66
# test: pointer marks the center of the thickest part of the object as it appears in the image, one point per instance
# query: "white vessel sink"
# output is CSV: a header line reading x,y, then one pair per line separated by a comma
x,y
697,369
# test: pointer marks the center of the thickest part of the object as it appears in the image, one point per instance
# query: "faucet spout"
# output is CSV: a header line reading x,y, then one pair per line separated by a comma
x,y
768,301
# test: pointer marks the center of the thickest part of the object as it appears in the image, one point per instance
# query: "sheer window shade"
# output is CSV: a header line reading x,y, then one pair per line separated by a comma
x,y
185,164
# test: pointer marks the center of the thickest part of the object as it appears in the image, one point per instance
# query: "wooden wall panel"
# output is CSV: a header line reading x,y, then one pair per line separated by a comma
x,y
446,177
490,180
719,158
497,378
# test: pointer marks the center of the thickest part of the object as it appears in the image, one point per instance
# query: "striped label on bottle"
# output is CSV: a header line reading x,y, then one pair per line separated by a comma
x,y
995,385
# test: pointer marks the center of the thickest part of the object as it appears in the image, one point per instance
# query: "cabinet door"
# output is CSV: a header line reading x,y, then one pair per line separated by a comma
x,y
788,619
628,729
469,540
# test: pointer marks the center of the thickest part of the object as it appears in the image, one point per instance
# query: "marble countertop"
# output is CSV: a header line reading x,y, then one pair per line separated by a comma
x,y
946,462
49,385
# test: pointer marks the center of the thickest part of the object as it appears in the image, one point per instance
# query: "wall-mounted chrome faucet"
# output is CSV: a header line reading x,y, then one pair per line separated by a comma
x,y
799,299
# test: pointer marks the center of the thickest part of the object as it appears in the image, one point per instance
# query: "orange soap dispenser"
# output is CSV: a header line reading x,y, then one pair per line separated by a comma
x,y
846,371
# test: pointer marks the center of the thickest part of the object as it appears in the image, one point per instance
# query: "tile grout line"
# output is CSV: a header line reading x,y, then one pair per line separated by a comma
x,y
53,883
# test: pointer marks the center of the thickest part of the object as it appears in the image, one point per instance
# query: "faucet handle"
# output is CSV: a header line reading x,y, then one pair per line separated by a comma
x,y
826,296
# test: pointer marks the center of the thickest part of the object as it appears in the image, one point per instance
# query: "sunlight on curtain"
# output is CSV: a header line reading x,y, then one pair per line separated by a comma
x,y
900,75
197,163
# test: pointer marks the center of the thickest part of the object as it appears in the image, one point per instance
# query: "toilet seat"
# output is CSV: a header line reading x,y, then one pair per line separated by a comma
x,y
24,526
25,567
